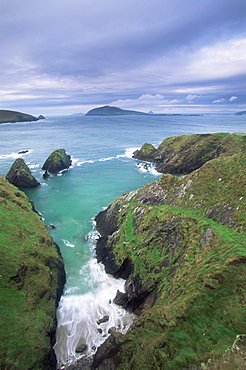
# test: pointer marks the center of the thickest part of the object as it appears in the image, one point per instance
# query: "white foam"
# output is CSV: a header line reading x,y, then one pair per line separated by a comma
x,y
15,155
106,159
78,315
68,244
129,152
147,168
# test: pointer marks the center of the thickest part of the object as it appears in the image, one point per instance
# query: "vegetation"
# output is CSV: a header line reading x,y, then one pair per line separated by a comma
x,y
31,281
185,237
186,153
12,116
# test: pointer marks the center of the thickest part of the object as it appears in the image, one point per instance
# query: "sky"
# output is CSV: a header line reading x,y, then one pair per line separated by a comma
x,y
164,56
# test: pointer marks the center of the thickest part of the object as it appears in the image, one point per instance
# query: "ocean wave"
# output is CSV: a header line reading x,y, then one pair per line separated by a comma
x,y
106,159
68,244
147,168
85,320
16,155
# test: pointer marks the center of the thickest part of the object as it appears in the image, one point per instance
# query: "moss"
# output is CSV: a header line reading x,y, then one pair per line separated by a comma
x,y
30,272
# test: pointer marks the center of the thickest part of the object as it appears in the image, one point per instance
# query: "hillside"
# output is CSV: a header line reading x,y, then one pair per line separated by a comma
x,y
8,116
31,283
180,242
112,111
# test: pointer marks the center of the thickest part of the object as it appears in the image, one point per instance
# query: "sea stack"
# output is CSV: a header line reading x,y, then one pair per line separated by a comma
x,y
21,176
57,161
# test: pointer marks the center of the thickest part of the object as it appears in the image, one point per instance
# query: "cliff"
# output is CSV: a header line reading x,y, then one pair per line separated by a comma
x,y
9,116
31,283
185,153
112,111
180,242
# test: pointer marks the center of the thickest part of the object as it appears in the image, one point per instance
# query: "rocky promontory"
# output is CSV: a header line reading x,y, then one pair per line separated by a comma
x,y
180,243
57,161
31,283
9,116
185,153
20,175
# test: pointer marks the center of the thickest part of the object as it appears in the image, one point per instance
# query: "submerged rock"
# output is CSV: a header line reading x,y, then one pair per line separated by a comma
x,y
21,176
57,161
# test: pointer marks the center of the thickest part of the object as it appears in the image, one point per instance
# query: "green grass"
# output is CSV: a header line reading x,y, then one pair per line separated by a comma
x,y
197,263
28,283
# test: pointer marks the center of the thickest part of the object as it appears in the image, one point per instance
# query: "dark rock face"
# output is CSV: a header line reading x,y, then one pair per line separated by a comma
x,y
57,161
20,175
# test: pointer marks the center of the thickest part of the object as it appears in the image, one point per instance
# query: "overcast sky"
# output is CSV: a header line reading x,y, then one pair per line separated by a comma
x,y
167,56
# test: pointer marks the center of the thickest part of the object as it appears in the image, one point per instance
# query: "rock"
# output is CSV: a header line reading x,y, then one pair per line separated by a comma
x,y
46,175
32,281
41,117
57,161
103,319
21,176
183,154
81,348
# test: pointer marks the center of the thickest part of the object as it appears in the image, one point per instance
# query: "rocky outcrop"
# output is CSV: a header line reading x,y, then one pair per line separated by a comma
x,y
21,176
183,154
31,283
57,161
181,241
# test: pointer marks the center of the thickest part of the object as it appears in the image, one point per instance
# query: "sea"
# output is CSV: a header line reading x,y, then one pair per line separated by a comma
x,y
102,169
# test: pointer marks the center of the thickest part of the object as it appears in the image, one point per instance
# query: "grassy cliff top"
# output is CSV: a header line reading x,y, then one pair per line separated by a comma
x,y
31,268
185,237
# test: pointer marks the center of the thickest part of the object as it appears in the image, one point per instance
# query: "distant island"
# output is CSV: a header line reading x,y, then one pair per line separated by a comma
x,y
241,113
112,111
9,116
107,110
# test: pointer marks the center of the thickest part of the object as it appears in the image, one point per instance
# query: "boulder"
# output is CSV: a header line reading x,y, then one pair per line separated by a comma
x,y
21,176
57,161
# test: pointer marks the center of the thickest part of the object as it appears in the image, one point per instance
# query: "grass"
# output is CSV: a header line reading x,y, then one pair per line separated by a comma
x,y
187,237
28,284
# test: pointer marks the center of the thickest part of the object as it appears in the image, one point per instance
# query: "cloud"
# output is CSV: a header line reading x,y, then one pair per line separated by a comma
x,y
82,53
146,102
190,98
221,100
232,98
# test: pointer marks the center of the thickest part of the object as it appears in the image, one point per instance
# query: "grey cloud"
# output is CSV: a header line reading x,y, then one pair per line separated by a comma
x,y
106,47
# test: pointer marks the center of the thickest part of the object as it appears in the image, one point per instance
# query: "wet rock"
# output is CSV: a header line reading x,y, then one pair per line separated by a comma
x,y
81,348
103,319
46,175
21,176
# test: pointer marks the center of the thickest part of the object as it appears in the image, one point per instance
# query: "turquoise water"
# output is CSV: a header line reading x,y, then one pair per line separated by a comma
x,y
102,169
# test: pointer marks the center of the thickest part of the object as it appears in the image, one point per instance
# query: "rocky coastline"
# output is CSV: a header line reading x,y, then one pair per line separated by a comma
x,y
180,244
31,284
